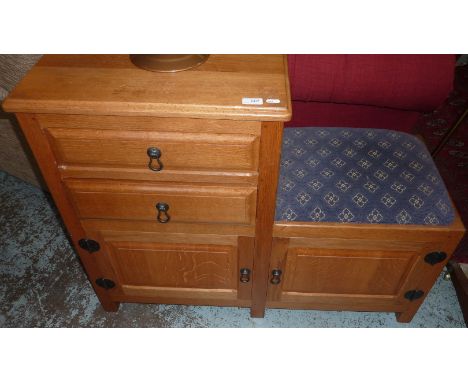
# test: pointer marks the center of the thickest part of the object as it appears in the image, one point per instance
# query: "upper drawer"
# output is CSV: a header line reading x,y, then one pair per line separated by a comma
x,y
123,153
184,203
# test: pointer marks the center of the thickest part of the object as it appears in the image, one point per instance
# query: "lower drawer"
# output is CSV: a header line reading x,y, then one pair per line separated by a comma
x,y
175,268
143,201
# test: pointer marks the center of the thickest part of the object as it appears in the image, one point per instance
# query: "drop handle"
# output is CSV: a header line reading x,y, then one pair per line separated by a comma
x,y
275,276
163,216
245,275
154,154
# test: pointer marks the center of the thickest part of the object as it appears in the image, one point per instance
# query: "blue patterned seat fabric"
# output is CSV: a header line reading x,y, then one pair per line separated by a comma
x,y
361,176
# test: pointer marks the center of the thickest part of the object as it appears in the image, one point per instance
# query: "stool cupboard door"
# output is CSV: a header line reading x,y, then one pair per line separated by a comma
x,y
306,275
175,267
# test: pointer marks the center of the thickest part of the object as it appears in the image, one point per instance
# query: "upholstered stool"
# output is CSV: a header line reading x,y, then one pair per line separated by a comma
x,y
363,222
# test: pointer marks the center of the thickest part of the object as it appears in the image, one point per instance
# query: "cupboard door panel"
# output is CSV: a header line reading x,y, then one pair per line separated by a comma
x,y
350,278
174,265
202,269
345,271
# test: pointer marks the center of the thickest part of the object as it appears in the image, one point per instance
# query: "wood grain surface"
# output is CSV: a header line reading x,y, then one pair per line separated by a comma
x,y
112,85
47,164
270,152
175,265
179,151
93,119
103,199
365,267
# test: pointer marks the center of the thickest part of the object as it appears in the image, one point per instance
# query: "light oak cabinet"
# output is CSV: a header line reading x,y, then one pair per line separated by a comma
x,y
167,186
166,182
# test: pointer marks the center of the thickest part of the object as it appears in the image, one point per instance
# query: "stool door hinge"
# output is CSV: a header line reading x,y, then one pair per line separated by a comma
x,y
435,257
89,245
414,294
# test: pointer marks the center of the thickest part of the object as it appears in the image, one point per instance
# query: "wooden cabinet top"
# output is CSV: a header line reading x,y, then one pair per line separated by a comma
x,y
112,85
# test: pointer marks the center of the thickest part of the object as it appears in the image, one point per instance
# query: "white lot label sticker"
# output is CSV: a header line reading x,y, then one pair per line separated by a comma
x,y
273,100
252,101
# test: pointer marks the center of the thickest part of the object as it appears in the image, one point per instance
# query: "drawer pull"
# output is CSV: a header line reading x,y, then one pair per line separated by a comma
x,y
154,154
276,276
163,216
245,275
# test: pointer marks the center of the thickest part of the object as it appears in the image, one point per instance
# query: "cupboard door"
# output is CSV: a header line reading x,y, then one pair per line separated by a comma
x,y
350,278
177,268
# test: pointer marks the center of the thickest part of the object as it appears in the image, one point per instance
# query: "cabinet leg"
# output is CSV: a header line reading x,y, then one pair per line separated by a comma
x,y
110,306
107,304
257,312
406,316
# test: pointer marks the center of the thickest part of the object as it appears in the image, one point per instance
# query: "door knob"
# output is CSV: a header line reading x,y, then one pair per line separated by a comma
x,y
245,275
275,276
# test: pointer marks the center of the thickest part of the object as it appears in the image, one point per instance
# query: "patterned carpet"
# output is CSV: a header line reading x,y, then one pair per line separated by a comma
x,y
42,284
452,161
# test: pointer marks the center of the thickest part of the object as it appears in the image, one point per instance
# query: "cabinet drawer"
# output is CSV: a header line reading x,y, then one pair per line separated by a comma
x,y
179,151
187,203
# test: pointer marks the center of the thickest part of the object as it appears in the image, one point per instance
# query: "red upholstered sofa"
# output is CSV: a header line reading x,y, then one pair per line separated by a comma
x,y
372,91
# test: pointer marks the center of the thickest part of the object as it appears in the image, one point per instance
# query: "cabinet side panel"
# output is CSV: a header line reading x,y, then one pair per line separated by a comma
x,y
48,166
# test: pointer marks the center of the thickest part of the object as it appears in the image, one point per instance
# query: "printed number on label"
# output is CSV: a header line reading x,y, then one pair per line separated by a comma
x,y
252,101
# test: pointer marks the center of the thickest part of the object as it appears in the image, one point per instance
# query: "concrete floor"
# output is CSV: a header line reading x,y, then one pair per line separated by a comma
x,y
42,284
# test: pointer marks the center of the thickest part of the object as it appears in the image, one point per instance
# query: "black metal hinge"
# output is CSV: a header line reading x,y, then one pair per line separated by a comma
x,y
89,245
435,257
105,283
414,294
